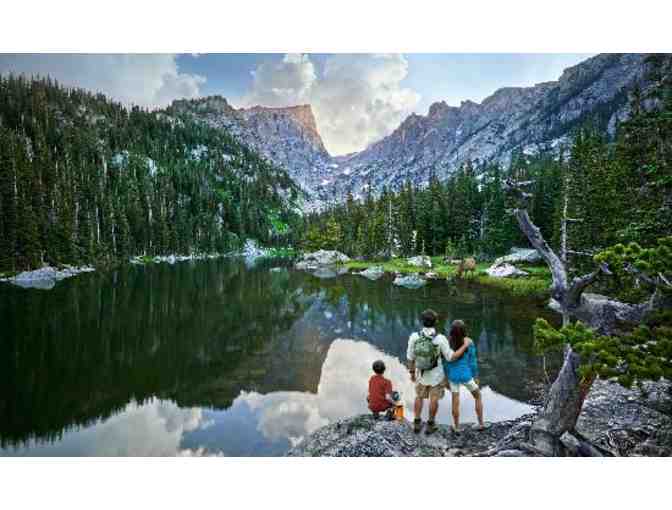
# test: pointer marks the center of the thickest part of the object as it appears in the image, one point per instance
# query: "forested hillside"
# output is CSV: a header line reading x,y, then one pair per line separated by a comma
x,y
86,180
609,191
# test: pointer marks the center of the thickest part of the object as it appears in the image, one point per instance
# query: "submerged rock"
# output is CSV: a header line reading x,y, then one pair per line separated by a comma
x,y
421,261
505,271
46,277
412,281
328,272
372,273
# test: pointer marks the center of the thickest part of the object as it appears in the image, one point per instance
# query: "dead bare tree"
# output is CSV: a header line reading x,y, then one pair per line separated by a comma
x,y
569,390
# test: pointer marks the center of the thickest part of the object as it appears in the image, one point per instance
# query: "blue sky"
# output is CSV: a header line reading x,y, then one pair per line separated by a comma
x,y
357,98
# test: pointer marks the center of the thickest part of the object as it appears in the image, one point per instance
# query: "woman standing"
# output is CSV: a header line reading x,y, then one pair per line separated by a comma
x,y
462,372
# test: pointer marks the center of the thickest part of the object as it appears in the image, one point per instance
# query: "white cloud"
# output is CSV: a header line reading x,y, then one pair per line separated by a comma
x,y
357,99
155,428
145,80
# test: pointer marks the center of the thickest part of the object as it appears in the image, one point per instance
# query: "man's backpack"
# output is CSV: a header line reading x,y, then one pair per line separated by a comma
x,y
426,353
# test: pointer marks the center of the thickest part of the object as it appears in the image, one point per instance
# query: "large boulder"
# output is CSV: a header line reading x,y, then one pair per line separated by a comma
x,y
321,258
505,271
520,255
372,273
412,281
421,261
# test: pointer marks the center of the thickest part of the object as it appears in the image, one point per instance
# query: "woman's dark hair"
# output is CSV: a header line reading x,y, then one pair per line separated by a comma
x,y
428,318
378,366
457,334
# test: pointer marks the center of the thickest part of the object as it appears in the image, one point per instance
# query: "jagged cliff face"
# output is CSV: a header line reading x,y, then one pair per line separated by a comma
x,y
288,137
522,118
527,119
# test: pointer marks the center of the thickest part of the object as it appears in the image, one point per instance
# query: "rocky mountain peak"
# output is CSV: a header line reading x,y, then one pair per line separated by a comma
x,y
527,119
302,115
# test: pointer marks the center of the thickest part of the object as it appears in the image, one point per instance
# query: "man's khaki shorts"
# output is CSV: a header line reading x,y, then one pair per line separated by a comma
x,y
425,391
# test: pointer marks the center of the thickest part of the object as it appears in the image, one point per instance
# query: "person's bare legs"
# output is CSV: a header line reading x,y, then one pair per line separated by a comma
x,y
433,407
417,408
456,409
478,403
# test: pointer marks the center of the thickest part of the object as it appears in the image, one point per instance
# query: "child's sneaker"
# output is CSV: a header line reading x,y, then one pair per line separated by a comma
x,y
417,425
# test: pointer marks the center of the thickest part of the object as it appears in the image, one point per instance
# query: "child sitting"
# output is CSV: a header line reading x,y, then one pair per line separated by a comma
x,y
380,392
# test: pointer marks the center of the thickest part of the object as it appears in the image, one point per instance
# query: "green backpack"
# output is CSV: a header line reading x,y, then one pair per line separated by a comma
x,y
426,353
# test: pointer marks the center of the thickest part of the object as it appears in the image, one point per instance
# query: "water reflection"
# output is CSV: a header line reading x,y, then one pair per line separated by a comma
x,y
217,358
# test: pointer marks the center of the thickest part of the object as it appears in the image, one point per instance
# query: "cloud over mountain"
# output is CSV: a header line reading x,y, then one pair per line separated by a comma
x,y
357,99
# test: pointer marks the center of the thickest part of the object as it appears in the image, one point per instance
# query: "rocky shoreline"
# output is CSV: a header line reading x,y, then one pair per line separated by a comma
x,y
46,277
615,422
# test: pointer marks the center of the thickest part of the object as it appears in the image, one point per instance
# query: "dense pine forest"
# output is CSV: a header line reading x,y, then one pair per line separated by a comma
x,y
86,180
593,194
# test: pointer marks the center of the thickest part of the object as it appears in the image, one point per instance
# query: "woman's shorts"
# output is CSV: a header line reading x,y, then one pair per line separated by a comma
x,y
470,385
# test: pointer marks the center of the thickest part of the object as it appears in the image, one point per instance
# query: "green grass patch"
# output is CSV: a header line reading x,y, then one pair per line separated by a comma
x,y
283,253
534,286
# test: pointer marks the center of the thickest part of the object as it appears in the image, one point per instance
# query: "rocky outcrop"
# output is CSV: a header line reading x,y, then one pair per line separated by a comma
x,y
46,277
321,259
363,436
615,422
505,270
412,281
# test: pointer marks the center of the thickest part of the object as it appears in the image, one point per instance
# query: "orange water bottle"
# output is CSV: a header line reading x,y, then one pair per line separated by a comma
x,y
398,406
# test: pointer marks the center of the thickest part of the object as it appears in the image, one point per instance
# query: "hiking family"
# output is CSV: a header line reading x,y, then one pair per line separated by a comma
x,y
434,363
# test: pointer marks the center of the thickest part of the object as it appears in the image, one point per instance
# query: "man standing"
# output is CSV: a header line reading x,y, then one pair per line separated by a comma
x,y
424,351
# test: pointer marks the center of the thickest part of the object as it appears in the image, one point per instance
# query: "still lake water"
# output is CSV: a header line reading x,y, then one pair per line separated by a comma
x,y
216,358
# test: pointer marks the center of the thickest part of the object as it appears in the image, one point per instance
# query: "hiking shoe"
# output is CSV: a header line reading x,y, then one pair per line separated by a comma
x,y
417,425
485,426
455,429
431,428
